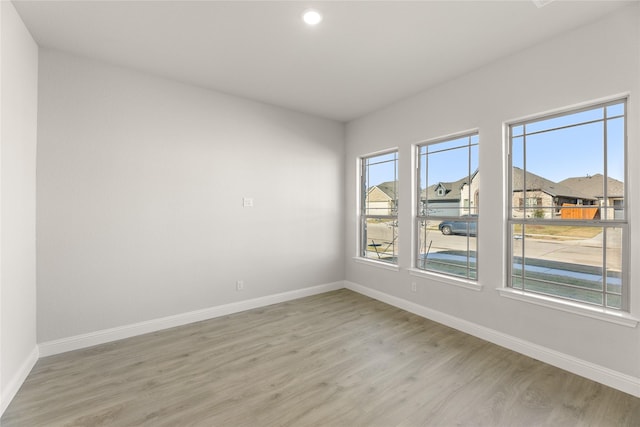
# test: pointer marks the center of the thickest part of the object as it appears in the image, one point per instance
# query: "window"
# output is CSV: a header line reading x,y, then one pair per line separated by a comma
x,y
448,204
567,211
379,207
532,201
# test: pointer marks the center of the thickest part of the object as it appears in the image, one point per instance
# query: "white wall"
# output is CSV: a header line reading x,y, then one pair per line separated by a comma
x,y
595,61
140,187
18,118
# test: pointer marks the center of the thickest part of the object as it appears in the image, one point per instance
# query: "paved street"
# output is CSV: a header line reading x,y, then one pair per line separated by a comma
x,y
583,251
574,251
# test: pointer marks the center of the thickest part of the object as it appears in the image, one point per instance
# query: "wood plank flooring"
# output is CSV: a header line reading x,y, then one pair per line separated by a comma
x,y
336,359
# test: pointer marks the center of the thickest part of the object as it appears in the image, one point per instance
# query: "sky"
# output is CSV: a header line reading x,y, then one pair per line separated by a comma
x,y
555,154
576,151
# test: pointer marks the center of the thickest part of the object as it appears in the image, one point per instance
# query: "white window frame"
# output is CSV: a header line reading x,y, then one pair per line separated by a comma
x,y
362,215
421,213
621,316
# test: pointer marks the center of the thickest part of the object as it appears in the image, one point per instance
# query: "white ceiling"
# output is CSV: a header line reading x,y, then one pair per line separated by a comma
x,y
363,56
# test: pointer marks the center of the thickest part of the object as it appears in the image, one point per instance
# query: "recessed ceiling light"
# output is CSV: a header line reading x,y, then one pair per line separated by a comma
x,y
312,17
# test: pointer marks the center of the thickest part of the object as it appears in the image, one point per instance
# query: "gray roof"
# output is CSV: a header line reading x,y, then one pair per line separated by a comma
x,y
452,190
587,188
538,183
593,185
390,188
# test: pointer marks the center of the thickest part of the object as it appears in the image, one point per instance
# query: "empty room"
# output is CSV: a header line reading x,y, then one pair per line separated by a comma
x,y
323,213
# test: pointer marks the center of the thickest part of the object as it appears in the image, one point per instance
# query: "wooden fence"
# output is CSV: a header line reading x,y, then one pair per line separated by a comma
x,y
570,211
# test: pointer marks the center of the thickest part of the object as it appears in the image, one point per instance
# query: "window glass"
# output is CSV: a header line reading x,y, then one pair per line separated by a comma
x,y
566,119
379,207
567,211
448,206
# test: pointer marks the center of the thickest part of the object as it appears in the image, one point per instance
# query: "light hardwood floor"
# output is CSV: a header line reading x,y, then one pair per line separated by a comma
x,y
336,359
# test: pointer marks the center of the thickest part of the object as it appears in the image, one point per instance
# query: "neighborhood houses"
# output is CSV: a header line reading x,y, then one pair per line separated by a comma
x,y
572,198
382,199
593,186
451,198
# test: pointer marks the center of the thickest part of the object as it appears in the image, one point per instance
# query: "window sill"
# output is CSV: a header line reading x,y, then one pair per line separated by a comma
x,y
374,263
611,316
447,280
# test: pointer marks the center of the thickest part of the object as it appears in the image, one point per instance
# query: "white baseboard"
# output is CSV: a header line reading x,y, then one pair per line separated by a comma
x,y
606,376
18,379
77,342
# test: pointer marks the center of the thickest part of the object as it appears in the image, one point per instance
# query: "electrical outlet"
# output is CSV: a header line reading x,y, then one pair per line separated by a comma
x,y
414,287
240,285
